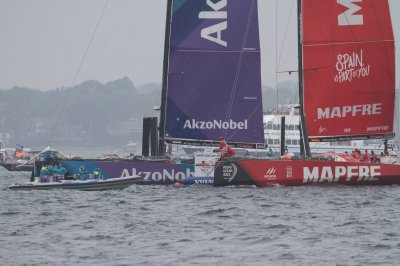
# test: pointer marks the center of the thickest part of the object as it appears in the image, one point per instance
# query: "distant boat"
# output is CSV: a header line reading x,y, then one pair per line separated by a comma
x,y
11,162
84,185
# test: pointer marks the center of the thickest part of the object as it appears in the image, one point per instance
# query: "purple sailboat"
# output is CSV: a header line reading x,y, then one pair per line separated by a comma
x,y
211,88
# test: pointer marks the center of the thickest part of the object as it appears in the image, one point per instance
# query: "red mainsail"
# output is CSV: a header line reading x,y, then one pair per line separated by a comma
x,y
349,69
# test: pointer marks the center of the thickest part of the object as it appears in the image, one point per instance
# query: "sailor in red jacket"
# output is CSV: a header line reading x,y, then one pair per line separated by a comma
x,y
226,150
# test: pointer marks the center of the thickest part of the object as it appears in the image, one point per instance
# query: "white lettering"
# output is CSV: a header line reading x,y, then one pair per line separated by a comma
x,y
332,174
349,17
156,176
326,175
346,111
339,172
351,172
375,171
215,124
351,66
310,177
213,33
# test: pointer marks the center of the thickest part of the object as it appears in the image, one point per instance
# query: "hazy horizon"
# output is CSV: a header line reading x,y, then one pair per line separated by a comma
x,y
44,41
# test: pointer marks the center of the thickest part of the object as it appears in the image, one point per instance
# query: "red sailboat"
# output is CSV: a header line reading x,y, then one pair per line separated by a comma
x,y
347,89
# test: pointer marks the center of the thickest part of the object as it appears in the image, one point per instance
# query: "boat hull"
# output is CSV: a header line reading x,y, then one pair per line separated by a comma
x,y
151,173
304,172
17,167
85,185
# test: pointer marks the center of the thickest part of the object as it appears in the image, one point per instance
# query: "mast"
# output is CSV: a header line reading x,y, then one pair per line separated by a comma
x,y
303,128
161,129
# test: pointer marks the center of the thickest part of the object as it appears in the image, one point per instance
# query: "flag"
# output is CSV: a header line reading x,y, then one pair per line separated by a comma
x,y
19,148
19,151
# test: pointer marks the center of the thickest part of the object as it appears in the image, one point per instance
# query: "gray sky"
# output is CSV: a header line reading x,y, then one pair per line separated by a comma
x,y
44,41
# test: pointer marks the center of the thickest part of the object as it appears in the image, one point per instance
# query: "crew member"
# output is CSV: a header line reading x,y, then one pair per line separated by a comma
x,y
366,156
374,158
226,150
96,173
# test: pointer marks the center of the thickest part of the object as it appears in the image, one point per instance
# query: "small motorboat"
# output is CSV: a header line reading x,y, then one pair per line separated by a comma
x,y
86,185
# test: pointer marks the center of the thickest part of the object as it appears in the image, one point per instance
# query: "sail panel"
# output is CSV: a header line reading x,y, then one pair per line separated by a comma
x,y
214,77
349,69
336,21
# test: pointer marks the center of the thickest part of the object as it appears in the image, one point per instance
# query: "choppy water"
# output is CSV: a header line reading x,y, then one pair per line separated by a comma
x,y
200,225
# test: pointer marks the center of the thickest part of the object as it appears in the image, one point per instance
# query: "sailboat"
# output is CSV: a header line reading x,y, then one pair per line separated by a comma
x,y
211,89
347,91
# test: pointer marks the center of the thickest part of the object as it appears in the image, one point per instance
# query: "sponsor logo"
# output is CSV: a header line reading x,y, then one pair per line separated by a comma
x,y
378,128
213,33
346,111
351,16
332,174
350,67
229,172
204,181
270,174
158,176
322,129
206,169
289,172
216,124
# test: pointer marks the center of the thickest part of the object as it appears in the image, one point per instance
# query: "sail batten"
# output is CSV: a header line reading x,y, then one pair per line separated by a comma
x,y
214,75
350,45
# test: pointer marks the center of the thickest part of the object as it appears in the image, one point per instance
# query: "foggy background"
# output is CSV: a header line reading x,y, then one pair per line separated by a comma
x,y
43,43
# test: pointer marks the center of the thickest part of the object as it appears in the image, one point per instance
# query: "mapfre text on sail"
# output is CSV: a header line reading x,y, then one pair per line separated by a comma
x,y
350,110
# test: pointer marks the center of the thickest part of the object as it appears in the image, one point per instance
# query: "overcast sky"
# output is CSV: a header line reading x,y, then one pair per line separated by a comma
x,y
43,41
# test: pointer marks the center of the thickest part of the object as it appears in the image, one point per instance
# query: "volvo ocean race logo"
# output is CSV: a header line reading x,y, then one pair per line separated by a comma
x,y
216,124
158,176
214,33
229,172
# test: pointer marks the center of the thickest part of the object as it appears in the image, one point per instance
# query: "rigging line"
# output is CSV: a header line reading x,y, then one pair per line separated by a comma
x,y
236,80
383,42
250,116
230,103
128,36
286,30
78,71
276,54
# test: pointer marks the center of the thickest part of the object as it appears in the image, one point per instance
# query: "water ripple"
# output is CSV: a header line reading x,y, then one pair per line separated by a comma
x,y
200,225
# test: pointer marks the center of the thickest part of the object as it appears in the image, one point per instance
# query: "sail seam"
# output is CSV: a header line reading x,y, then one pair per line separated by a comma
x,y
345,43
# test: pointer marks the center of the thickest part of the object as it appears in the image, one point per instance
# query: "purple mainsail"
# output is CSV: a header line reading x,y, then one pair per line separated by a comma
x,y
214,73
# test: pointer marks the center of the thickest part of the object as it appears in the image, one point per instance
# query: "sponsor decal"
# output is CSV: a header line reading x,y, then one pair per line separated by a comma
x,y
216,124
213,33
289,171
206,169
229,172
331,174
199,181
322,129
349,110
270,174
378,128
351,66
158,176
351,16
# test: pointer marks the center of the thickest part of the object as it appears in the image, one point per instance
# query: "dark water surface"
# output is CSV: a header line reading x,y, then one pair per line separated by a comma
x,y
200,225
